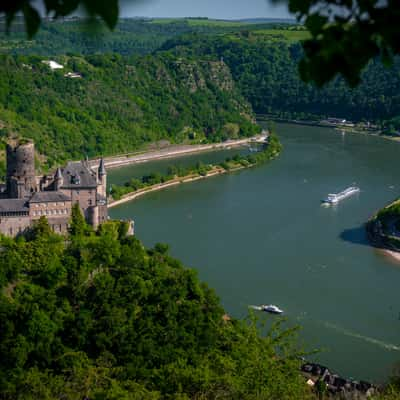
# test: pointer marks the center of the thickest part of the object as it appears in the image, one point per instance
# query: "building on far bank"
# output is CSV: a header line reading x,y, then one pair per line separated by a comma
x,y
26,197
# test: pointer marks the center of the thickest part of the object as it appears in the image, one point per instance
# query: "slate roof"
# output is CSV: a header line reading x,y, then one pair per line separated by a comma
x,y
48,197
13,205
76,175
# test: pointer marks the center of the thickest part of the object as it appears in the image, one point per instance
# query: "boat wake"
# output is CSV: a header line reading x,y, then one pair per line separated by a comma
x,y
380,343
258,308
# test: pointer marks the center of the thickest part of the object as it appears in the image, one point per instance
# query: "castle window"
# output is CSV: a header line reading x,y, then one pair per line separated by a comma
x,y
90,202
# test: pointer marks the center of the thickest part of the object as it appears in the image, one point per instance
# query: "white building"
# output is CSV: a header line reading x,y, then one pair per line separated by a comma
x,y
53,64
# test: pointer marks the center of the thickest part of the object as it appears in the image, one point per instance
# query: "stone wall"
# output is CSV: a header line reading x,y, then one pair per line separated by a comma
x,y
12,226
50,210
86,198
21,179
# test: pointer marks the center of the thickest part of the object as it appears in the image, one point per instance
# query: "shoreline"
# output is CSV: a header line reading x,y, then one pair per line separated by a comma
x,y
379,242
174,152
394,255
271,150
346,129
177,181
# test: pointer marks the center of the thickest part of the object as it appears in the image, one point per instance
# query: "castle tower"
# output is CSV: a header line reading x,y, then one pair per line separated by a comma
x,y
58,179
21,179
102,176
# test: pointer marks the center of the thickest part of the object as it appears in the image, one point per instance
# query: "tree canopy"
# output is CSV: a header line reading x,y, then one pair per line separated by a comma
x,y
345,34
97,316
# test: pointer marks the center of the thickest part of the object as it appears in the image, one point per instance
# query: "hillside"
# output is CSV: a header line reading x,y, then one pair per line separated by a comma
x,y
98,316
118,104
264,66
131,36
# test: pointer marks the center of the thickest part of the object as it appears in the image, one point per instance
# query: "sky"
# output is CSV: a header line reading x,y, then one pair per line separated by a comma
x,y
223,9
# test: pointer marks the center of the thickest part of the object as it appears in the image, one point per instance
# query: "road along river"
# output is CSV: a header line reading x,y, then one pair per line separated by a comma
x,y
261,236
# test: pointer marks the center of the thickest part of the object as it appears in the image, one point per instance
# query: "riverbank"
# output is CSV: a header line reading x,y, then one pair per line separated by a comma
x,y
175,151
155,182
382,230
347,128
241,226
161,186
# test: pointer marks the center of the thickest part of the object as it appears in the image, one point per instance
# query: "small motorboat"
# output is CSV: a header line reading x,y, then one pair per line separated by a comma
x,y
271,309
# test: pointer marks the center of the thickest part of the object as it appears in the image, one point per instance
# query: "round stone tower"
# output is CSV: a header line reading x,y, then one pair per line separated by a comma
x,y
21,179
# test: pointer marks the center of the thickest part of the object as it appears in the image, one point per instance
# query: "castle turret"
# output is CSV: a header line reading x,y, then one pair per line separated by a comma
x,y
102,177
58,179
21,179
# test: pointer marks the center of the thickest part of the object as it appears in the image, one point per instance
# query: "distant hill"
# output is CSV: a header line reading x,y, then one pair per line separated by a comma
x,y
111,104
264,65
131,36
268,20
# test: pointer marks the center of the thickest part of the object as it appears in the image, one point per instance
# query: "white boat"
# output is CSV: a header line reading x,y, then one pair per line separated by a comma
x,y
271,309
268,308
334,198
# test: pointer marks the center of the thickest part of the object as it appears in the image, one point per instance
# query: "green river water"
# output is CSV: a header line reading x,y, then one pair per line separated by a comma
x,y
261,236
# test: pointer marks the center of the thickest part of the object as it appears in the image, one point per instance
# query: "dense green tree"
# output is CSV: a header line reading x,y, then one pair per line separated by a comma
x,y
119,104
78,226
346,34
120,321
265,70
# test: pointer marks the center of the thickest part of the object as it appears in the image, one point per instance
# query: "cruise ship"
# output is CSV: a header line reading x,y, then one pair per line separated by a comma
x,y
334,198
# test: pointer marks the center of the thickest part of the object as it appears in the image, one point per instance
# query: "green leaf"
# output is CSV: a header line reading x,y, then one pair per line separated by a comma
x,y
107,10
32,20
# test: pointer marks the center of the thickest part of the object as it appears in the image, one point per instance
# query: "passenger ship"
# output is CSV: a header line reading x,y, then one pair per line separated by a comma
x,y
334,198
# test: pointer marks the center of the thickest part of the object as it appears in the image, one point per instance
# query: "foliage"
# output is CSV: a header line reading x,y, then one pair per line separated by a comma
x,y
265,70
129,37
346,35
107,10
101,317
78,226
119,104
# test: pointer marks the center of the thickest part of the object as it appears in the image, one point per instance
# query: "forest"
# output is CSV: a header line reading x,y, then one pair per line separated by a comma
x,y
95,315
265,68
130,36
191,81
118,104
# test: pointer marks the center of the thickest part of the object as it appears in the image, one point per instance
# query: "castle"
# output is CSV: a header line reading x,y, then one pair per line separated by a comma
x,y
26,197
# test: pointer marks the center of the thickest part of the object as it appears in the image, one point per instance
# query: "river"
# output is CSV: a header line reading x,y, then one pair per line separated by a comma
x,y
261,236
